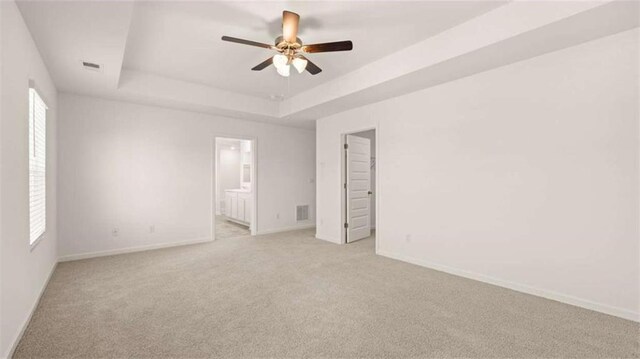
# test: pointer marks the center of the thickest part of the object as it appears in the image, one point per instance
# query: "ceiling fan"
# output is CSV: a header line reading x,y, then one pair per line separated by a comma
x,y
290,48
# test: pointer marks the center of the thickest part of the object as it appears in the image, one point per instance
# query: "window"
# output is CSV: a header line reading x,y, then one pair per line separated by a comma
x,y
37,166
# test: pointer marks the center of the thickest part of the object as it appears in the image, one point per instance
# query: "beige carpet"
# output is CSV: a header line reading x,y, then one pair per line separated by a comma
x,y
290,295
228,229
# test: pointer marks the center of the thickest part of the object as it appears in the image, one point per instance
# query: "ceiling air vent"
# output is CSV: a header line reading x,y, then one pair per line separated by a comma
x,y
302,213
91,66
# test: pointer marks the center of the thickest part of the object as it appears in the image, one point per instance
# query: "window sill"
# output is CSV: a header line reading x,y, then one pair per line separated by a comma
x,y
36,242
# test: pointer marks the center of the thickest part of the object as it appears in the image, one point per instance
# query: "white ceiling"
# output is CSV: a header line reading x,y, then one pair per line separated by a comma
x,y
68,33
170,53
181,40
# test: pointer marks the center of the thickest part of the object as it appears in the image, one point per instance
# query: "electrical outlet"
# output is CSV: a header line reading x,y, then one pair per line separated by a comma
x,y
277,215
152,229
115,232
408,238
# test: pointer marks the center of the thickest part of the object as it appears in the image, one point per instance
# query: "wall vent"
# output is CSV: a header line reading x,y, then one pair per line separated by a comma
x,y
91,66
302,213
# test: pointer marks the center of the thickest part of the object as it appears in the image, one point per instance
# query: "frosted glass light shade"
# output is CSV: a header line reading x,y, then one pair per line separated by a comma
x,y
299,64
280,60
284,70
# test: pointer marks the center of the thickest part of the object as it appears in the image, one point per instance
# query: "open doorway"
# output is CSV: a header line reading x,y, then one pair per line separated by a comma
x,y
359,186
235,188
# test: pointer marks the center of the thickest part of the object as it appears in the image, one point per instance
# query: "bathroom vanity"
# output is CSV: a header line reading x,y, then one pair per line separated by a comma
x,y
238,206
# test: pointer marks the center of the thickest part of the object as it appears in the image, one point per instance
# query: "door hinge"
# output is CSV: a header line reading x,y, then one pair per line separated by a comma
x,y
346,225
346,146
345,186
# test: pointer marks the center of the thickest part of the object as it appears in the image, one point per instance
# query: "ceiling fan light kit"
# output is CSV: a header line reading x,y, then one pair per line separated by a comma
x,y
284,70
280,60
284,62
290,48
299,63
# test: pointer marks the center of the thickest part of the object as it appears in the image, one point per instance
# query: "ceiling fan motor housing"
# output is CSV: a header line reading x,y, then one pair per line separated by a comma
x,y
281,44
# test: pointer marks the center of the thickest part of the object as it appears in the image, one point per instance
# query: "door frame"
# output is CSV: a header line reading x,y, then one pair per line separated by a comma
x,y
343,180
254,179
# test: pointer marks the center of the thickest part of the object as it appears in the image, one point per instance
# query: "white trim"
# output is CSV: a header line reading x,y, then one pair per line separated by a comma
x,y
287,229
111,252
343,179
328,238
14,345
237,221
253,226
523,288
35,243
37,167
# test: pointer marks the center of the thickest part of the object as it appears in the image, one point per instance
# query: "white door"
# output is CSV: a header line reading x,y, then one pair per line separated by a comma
x,y
358,188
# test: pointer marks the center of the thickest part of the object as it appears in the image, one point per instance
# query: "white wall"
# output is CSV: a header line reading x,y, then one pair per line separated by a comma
x,y
23,272
131,167
525,176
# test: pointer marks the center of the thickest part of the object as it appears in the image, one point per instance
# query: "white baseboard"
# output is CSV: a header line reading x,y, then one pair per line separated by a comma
x,y
24,326
111,252
559,297
328,238
242,223
287,229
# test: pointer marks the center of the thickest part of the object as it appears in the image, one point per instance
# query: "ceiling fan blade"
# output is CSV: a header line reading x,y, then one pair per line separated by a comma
x,y
311,67
263,64
328,47
247,42
290,22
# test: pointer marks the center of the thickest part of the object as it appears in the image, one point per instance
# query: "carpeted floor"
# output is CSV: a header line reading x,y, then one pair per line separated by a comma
x,y
228,229
290,295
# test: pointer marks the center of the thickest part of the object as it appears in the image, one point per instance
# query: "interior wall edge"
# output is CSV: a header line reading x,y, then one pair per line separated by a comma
x,y
523,288
134,249
286,229
167,105
23,328
328,238
25,269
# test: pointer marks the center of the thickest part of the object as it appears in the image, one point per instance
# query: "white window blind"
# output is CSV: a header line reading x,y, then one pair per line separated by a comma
x,y
37,166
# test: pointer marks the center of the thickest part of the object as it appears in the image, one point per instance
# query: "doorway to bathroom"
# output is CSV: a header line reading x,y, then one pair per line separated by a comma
x,y
235,188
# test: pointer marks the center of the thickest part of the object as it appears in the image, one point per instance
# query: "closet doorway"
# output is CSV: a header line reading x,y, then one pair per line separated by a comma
x,y
234,187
